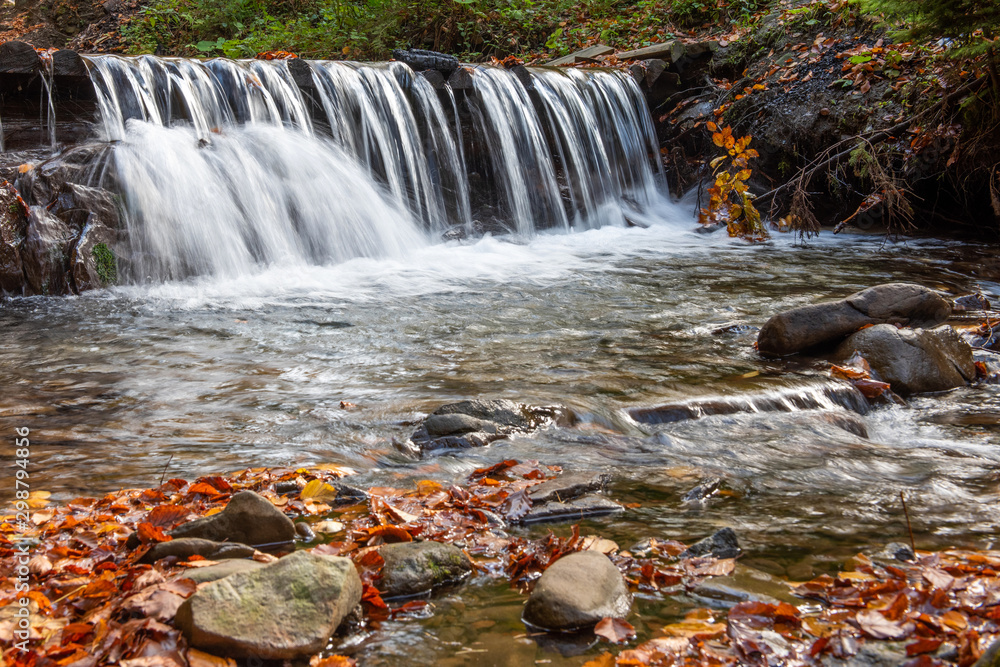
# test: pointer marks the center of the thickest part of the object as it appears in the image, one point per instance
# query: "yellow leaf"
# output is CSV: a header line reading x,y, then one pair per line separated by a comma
x,y
718,140
717,161
759,86
318,490
38,499
198,658
744,175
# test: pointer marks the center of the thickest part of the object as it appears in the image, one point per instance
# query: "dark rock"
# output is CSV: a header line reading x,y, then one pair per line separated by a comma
x,y
721,544
810,326
456,424
301,71
568,487
288,486
45,253
304,531
561,601
248,518
914,360
745,584
201,575
705,490
66,62
412,568
435,78
19,58
13,228
286,610
477,423
970,302
461,79
578,509
898,551
184,548
662,51
420,59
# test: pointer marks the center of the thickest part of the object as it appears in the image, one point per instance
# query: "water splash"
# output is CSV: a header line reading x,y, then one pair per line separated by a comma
x,y
377,146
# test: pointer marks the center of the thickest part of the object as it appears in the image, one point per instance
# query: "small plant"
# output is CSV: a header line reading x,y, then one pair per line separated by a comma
x,y
729,198
105,264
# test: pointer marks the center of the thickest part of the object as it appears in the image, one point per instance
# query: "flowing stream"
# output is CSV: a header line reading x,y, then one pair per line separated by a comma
x,y
281,261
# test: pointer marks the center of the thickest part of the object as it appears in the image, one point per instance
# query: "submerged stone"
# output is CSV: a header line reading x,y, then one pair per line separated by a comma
x,y
477,423
568,487
584,507
721,544
576,592
412,568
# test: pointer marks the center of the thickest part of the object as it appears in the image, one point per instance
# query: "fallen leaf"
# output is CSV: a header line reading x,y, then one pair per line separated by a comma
x,y
876,625
198,658
318,490
614,630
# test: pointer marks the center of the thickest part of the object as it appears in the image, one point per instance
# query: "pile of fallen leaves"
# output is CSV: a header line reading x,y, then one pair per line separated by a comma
x,y
940,609
91,601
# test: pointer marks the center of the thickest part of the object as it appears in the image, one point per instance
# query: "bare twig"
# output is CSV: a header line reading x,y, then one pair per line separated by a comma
x,y
165,469
913,544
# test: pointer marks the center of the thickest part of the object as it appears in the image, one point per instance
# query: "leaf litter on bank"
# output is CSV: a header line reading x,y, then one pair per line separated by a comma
x,y
93,603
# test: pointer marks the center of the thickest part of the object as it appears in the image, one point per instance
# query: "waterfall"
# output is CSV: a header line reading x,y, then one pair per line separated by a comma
x,y
225,166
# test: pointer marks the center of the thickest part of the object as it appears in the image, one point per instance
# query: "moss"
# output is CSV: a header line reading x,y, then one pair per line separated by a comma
x,y
106,264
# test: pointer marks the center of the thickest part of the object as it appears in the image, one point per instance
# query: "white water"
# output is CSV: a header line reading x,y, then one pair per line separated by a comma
x,y
226,168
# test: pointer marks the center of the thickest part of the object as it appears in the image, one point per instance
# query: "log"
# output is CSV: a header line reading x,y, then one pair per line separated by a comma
x,y
19,58
583,55
663,51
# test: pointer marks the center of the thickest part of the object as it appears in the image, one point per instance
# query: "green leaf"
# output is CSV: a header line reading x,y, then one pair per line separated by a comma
x,y
205,47
857,60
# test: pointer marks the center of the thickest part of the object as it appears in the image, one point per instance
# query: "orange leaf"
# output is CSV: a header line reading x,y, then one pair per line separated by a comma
x,y
614,630
167,516
388,535
333,660
148,533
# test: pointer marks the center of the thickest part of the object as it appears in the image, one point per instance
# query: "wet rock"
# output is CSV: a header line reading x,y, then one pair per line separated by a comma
x,y
456,424
663,51
18,58
587,54
578,509
93,263
790,399
304,531
13,228
705,490
412,568
560,602
990,657
248,518
285,610
811,326
914,360
745,584
477,423
870,654
568,487
846,422
897,551
202,575
45,253
184,548
434,78
721,544
970,302
420,59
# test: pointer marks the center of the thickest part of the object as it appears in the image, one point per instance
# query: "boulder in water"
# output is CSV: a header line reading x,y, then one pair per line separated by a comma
x,y
286,610
248,518
13,227
412,568
421,59
815,325
576,592
477,423
186,547
721,544
914,360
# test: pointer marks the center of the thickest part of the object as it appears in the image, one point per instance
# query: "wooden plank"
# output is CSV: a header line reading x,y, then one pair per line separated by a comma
x,y
589,53
663,51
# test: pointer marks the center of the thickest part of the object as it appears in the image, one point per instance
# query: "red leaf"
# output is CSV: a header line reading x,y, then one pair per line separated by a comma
x,y
148,533
923,646
614,630
167,516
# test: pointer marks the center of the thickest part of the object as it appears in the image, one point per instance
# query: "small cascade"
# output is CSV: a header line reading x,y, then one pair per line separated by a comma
x,y
47,103
224,166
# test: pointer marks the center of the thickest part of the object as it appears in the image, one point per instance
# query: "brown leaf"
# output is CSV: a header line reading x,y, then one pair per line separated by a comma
x,y
148,533
167,516
876,625
614,630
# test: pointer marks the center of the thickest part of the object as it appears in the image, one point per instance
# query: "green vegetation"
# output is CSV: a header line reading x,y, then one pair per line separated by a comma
x,y
370,29
106,264
972,24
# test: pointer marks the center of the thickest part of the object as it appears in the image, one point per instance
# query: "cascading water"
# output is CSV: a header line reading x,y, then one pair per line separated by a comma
x,y
226,166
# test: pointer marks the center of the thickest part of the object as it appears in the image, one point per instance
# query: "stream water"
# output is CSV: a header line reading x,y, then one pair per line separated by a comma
x,y
260,299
